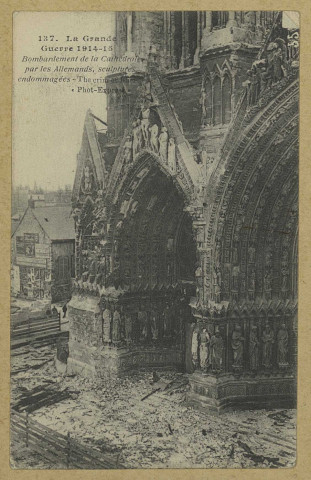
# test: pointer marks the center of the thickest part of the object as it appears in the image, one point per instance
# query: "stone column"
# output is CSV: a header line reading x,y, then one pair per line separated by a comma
x,y
258,18
184,36
207,31
231,21
199,36
208,21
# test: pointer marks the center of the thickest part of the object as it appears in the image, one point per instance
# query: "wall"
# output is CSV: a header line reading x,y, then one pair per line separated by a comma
x,y
32,255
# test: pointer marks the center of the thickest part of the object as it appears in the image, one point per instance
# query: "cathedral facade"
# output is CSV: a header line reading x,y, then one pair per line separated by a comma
x,y
186,209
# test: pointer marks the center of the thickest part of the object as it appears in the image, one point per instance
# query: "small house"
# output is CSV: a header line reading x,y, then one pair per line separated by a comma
x,y
43,253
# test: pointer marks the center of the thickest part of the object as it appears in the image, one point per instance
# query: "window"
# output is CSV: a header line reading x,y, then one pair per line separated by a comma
x,y
217,101
178,32
226,100
208,101
20,245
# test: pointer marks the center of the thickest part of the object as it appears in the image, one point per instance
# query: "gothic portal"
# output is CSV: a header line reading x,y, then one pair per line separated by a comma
x,y
186,209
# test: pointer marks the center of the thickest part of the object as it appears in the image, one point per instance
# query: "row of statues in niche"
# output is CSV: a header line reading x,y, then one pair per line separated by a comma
x,y
158,323
151,137
208,350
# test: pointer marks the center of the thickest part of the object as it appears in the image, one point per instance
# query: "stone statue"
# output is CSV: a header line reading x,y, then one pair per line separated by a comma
x,y
282,346
88,180
145,125
163,141
217,348
107,325
136,137
235,277
128,328
277,59
268,341
116,326
154,326
237,344
143,325
252,280
171,155
203,104
167,321
195,347
253,348
204,350
154,142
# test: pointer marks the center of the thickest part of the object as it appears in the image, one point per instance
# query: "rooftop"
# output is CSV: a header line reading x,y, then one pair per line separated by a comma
x,y
56,221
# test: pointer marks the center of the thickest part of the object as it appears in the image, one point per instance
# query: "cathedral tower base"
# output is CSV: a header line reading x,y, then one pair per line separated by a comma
x,y
228,392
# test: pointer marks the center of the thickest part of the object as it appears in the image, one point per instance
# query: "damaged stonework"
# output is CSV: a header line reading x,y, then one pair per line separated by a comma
x,y
85,335
186,213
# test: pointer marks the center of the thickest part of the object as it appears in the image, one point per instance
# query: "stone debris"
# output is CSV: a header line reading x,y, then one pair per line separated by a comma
x,y
159,432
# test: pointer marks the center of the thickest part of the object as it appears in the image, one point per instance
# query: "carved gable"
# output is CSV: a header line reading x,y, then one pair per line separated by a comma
x,y
156,132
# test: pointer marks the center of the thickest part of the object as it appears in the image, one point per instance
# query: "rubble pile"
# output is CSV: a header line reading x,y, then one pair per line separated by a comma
x,y
144,419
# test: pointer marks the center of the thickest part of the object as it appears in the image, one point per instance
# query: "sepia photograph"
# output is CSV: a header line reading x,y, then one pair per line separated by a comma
x,y
154,240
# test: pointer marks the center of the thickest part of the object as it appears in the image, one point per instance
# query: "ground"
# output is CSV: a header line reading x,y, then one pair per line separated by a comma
x,y
157,432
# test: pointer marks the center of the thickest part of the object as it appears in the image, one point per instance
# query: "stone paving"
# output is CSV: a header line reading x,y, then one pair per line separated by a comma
x,y
160,431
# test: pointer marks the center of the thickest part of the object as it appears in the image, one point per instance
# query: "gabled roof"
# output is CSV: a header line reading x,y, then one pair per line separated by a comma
x,y
94,146
56,221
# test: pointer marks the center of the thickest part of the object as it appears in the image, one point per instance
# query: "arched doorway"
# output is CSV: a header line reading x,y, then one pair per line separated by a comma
x,y
153,258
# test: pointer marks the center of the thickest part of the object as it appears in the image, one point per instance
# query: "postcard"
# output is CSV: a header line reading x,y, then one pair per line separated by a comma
x,y
154,266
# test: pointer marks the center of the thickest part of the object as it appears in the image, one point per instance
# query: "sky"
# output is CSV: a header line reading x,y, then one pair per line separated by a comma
x,y
48,118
